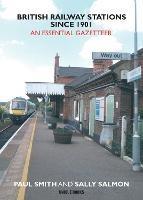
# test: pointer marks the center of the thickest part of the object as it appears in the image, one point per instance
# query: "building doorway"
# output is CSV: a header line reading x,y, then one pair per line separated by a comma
x,y
110,109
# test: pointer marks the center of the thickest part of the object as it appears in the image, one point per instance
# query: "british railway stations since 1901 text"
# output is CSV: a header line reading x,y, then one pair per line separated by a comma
x,y
67,17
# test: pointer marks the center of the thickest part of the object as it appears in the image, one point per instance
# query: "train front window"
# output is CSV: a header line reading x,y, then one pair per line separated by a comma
x,y
18,105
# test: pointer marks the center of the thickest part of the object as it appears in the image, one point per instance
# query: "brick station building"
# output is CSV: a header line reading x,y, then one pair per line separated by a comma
x,y
98,95
65,75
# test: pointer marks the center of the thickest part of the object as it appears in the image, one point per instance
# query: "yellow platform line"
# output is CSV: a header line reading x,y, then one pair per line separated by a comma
x,y
21,192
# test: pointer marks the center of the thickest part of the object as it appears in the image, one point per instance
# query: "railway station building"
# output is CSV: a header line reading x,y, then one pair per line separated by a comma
x,y
98,95
90,97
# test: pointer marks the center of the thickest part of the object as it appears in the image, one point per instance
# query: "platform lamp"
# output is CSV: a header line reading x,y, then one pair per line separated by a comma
x,y
46,99
136,165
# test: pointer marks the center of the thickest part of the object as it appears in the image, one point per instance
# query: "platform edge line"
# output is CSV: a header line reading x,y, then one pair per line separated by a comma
x,y
21,191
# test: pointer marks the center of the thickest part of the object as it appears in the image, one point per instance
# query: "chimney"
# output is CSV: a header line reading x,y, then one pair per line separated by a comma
x,y
99,66
56,67
57,60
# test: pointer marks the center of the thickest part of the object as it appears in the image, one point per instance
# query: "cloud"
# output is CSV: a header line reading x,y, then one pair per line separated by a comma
x,y
10,8
11,42
16,42
117,7
40,74
14,74
98,44
1,51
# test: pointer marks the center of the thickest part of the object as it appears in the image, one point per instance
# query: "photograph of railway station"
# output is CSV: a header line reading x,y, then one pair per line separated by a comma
x,y
71,106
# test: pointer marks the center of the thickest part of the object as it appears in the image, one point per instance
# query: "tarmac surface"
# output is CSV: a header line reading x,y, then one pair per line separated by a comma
x,y
49,171
80,170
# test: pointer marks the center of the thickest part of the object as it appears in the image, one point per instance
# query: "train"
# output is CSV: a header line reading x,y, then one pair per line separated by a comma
x,y
20,109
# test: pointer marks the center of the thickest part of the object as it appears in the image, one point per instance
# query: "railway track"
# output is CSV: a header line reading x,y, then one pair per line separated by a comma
x,y
7,133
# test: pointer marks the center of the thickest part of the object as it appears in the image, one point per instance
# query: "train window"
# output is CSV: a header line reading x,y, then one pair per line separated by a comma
x,y
20,105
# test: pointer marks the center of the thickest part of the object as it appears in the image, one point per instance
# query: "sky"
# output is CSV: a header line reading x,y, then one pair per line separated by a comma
x,y
25,57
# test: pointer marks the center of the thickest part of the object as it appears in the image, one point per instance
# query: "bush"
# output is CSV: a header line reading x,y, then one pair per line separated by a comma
x,y
1,112
141,113
62,131
116,148
49,109
52,122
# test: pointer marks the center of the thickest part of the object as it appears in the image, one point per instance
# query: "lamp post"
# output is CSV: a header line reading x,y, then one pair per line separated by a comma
x,y
136,138
46,98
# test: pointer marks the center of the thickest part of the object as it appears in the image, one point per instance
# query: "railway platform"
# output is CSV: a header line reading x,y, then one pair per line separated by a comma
x,y
33,167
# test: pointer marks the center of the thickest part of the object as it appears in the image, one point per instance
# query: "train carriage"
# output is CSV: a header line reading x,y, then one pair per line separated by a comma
x,y
20,109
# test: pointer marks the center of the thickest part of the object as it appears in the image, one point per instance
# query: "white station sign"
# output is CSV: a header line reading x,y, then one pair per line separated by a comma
x,y
134,74
111,56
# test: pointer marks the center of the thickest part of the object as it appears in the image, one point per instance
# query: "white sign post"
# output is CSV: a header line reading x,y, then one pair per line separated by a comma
x,y
111,56
134,74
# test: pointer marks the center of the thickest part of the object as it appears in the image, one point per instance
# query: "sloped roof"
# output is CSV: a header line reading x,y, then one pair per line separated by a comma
x,y
97,76
88,78
78,81
73,71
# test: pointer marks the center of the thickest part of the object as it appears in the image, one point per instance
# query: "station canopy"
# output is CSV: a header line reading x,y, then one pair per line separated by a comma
x,y
42,89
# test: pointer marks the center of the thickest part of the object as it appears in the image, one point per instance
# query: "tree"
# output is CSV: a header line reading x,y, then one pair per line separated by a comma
x,y
1,112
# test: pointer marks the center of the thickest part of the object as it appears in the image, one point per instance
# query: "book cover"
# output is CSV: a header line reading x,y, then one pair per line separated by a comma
x,y
77,65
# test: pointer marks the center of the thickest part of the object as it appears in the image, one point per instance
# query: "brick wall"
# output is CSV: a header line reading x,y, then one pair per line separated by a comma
x,y
123,106
64,80
86,103
126,103
66,106
100,66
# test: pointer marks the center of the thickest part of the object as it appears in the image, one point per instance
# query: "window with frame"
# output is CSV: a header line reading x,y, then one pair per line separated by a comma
x,y
99,109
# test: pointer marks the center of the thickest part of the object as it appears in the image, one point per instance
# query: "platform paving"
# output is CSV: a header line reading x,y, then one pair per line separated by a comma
x,y
82,161
12,160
